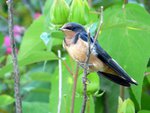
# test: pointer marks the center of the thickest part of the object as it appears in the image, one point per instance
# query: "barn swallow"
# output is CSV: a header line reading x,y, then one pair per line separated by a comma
x,y
76,44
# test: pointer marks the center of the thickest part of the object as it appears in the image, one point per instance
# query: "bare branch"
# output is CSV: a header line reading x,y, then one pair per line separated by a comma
x,y
125,1
60,82
14,58
74,88
86,66
67,67
85,74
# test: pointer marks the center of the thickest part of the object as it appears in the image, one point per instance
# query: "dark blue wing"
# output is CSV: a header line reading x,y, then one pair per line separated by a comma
x,y
83,36
105,57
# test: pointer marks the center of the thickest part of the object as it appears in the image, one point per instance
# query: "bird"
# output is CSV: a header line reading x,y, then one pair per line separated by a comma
x,y
76,44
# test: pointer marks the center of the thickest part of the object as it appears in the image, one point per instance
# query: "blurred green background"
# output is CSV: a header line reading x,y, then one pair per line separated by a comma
x,y
124,35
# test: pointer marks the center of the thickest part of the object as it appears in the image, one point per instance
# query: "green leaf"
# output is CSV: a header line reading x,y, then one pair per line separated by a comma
x,y
35,107
125,36
66,91
40,76
144,111
47,7
148,74
145,101
57,34
31,41
6,100
1,39
45,37
67,84
92,83
110,96
36,89
33,57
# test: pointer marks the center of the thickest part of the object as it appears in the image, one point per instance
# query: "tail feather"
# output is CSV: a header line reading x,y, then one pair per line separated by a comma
x,y
115,78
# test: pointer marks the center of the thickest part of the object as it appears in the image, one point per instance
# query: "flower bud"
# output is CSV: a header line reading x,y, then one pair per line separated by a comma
x,y
77,12
59,12
126,107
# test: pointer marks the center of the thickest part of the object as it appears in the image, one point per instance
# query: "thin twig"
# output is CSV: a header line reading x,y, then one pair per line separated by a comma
x,y
122,92
87,61
14,58
74,88
100,25
67,67
85,74
125,1
60,82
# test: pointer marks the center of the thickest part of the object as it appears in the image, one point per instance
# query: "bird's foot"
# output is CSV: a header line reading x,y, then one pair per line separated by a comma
x,y
83,65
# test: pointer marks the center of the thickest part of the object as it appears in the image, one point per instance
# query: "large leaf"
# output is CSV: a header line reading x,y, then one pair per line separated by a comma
x,y
36,89
31,41
33,57
144,111
35,107
125,36
6,100
92,84
40,76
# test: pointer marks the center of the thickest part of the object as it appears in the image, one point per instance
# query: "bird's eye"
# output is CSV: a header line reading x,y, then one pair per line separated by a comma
x,y
69,27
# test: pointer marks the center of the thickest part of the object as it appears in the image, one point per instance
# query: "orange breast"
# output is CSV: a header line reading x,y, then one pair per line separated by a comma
x,y
78,52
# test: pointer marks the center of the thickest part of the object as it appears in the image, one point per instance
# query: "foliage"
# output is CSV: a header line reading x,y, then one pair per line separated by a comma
x,y
124,35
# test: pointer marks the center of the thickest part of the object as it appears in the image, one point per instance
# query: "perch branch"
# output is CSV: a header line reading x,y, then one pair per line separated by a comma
x,y
18,104
87,60
85,75
60,82
74,88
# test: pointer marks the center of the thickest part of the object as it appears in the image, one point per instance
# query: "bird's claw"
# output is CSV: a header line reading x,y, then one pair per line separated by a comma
x,y
83,65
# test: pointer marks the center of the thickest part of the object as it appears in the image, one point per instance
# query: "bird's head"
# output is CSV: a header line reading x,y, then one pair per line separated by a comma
x,y
70,29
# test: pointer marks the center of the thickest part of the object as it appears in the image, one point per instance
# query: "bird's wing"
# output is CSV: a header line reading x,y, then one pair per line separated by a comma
x,y
115,78
106,58
110,62
83,36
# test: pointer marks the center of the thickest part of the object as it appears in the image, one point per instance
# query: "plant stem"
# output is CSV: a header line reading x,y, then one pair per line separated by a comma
x,y
60,82
74,88
122,92
67,67
125,1
18,104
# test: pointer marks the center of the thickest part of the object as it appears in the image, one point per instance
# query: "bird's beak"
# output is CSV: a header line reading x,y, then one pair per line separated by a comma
x,y
61,29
